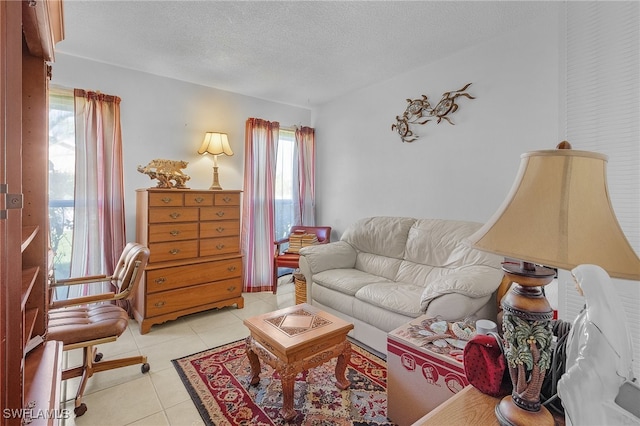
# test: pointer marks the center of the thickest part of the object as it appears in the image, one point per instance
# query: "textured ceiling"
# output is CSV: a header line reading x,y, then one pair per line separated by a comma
x,y
301,53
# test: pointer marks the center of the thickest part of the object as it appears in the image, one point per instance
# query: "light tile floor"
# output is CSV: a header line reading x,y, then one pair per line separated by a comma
x,y
125,396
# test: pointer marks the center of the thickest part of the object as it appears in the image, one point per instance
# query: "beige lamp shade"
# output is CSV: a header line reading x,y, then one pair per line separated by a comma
x,y
215,144
559,214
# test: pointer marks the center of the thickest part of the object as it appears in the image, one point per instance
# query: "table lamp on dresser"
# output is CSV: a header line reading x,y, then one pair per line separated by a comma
x,y
557,214
215,144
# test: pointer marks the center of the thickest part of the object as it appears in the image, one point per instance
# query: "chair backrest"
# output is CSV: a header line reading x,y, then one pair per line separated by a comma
x,y
322,232
128,271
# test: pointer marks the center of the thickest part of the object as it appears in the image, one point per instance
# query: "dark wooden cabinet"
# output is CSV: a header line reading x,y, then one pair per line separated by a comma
x,y
31,367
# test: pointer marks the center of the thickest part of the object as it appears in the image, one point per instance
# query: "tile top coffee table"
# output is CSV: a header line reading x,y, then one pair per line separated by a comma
x,y
294,339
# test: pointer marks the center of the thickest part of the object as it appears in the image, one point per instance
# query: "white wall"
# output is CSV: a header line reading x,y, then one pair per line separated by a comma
x,y
462,171
363,169
166,118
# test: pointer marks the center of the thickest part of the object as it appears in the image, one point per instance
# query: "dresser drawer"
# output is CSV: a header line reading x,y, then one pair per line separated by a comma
x,y
198,199
175,250
178,214
227,199
222,228
189,275
220,213
186,298
165,199
173,232
216,246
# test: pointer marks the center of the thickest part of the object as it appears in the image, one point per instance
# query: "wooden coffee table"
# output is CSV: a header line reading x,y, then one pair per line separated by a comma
x,y
294,339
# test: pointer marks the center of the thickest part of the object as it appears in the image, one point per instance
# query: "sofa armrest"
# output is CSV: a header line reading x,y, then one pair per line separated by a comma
x,y
321,257
475,281
455,307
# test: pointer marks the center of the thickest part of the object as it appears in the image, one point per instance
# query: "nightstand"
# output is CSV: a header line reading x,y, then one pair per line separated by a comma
x,y
468,407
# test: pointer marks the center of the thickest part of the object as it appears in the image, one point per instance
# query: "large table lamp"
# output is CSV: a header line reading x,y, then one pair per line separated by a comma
x,y
557,214
215,144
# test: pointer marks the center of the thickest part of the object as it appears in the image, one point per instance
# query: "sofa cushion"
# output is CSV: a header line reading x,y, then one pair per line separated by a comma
x,y
347,281
384,236
418,274
399,297
381,266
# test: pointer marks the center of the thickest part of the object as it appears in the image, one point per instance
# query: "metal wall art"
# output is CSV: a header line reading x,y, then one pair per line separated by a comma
x,y
420,111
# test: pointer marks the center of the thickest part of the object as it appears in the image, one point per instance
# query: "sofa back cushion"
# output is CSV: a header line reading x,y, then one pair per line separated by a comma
x,y
380,243
382,236
441,243
415,251
436,248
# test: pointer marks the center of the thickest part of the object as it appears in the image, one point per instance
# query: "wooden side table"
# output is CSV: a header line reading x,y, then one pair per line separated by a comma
x,y
468,407
294,339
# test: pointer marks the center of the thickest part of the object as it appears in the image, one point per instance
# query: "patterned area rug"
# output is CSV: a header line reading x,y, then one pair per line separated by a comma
x,y
218,382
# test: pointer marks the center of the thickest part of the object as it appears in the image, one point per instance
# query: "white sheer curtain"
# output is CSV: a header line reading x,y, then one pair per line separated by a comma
x,y
99,227
261,146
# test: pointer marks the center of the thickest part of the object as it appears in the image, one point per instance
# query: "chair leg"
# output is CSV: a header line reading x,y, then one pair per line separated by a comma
x,y
88,353
121,362
89,368
274,284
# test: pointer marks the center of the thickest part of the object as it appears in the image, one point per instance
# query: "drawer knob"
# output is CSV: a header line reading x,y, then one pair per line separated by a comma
x,y
220,246
160,280
231,268
166,200
174,251
199,200
159,304
230,289
220,213
220,229
175,232
227,199
175,215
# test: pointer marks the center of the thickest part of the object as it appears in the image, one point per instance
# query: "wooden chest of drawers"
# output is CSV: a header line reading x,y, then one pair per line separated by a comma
x,y
195,262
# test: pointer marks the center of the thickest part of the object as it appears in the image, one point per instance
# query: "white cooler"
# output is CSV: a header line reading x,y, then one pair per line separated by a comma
x,y
418,379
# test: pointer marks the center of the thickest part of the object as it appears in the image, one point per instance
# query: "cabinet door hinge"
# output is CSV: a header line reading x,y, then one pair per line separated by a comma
x,y
8,201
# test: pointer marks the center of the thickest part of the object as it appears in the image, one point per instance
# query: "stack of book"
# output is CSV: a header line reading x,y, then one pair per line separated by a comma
x,y
299,239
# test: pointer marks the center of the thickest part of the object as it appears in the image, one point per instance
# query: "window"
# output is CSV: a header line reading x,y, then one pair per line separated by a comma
x,y
61,177
600,91
286,169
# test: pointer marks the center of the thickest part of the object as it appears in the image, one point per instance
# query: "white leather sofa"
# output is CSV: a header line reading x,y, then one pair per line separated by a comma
x,y
386,271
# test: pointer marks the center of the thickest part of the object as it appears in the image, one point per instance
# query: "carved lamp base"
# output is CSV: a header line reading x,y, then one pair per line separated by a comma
x,y
509,414
216,184
528,336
